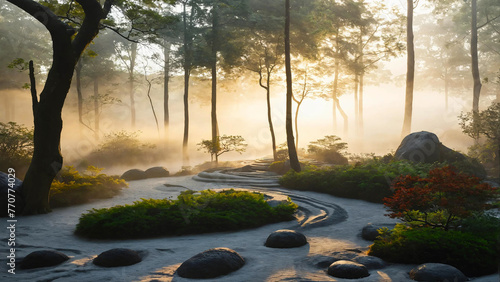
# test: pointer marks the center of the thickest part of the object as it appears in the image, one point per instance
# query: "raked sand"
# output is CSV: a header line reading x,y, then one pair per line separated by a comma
x,y
330,224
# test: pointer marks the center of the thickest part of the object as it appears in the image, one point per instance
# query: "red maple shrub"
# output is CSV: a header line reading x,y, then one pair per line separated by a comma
x,y
440,200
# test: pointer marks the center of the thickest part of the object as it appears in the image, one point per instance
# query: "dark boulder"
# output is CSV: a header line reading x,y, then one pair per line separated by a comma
x,y
425,147
14,189
437,272
42,258
211,263
285,239
157,171
117,257
347,269
370,262
370,231
134,174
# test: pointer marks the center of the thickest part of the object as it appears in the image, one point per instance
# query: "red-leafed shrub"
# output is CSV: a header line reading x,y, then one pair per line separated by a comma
x,y
441,200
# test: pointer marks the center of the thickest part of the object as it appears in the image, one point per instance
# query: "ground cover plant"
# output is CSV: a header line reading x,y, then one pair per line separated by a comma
x,y
16,147
446,221
190,213
369,180
71,187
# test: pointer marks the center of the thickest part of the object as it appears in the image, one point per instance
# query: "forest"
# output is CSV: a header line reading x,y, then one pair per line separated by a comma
x,y
170,78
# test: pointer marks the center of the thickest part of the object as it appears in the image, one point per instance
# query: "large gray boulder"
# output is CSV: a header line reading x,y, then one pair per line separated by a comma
x,y
425,147
42,258
117,257
211,263
15,194
437,272
370,231
347,269
285,239
134,174
157,171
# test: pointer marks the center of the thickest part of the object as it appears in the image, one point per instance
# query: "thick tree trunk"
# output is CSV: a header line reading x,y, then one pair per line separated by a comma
x,y
166,80
47,159
187,73
292,151
410,72
133,55
475,59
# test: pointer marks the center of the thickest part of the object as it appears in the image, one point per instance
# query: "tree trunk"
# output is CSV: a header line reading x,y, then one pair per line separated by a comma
x,y
47,159
292,151
96,108
361,94
334,113
79,93
356,103
475,60
336,101
215,27
166,80
187,73
133,55
269,115
410,72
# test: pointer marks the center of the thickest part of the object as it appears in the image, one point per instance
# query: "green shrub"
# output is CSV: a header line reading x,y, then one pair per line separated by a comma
x,y
329,150
370,181
16,147
72,188
471,253
123,148
191,213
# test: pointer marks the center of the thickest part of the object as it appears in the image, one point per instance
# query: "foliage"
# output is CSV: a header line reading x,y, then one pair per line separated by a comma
x,y
329,150
487,154
16,146
71,187
191,213
122,148
223,144
440,200
471,253
485,123
370,181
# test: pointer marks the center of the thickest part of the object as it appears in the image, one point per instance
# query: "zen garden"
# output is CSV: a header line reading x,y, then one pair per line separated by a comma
x,y
250,140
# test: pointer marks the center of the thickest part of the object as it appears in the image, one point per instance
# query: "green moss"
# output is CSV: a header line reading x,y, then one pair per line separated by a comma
x,y
472,253
370,180
72,188
191,213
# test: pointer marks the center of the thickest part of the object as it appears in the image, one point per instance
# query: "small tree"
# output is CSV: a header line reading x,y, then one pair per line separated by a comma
x,y
441,200
329,149
485,123
223,144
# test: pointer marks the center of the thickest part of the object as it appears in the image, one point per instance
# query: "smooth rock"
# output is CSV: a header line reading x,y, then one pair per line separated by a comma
x,y
437,272
117,257
133,174
211,263
347,269
285,239
14,192
157,171
42,258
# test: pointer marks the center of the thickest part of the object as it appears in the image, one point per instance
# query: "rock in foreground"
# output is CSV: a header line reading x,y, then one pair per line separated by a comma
x,y
348,269
117,257
437,272
43,258
285,239
211,263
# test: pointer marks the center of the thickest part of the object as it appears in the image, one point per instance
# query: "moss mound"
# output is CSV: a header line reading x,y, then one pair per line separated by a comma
x,y
191,213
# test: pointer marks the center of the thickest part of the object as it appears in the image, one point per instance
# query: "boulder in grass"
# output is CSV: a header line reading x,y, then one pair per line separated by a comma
x,y
347,269
14,191
117,257
285,239
437,272
133,174
157,171
370,231
42,258
211,263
